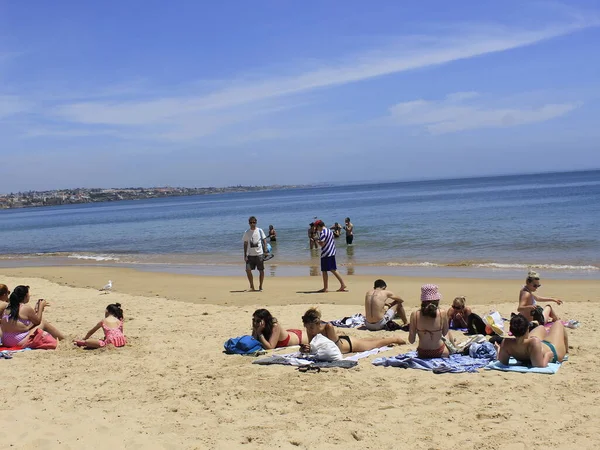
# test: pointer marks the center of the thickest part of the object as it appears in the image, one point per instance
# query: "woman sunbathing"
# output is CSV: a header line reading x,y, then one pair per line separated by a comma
x,y
21,324
430,324
314,325
528,301
267,330
537,346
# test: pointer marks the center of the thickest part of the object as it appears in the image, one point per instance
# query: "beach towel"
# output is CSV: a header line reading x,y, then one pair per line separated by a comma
x,y
454,363
7,352
516,366
300,362
355,321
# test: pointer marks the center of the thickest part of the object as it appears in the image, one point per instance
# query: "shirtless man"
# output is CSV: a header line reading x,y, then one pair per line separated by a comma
x,y
538,346
349,231
381,306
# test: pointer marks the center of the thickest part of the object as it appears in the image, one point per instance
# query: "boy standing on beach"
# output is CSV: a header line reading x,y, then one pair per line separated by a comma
x,y
327,244
255,246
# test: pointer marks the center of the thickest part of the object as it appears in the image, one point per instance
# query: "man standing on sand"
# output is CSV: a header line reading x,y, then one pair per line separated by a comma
x,y
379,310
327,244
349,231
255,245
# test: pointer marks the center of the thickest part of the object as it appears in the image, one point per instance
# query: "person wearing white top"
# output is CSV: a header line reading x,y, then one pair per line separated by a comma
x,y
255,246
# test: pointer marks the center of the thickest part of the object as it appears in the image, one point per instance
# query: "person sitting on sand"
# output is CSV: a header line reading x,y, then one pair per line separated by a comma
x,y
538,346
528,302
112,325
314,325
23,326
458,314
430,324
266,330
4,292
378,311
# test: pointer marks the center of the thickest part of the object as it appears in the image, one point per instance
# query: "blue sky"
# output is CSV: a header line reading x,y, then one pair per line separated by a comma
x,y
198,93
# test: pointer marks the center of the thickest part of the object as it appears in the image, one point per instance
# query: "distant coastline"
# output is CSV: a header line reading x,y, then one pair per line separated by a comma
x,y
31,199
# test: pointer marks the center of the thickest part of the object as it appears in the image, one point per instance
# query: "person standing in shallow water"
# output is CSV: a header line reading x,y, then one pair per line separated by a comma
x,y
349,231
328,264
255,246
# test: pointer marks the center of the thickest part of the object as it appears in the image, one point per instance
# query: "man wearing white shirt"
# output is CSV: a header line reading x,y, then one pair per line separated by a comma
x,y
255,245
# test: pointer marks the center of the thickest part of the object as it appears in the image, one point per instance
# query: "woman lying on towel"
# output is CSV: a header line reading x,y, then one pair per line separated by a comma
x,y
528,302
23,326
537,346
430,324
267,330
314,325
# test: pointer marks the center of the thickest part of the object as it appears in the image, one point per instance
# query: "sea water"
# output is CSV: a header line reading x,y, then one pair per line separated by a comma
x,y
492,226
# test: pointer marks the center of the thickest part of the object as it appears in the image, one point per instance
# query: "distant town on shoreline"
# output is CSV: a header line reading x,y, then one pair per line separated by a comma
x,y
87,195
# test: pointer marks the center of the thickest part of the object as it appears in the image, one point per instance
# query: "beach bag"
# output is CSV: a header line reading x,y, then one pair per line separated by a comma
x,y
475,325
41,340
242,345
323,349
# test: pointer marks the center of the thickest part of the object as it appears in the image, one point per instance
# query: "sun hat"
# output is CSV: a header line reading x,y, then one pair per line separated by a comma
x,y
533,275
430,293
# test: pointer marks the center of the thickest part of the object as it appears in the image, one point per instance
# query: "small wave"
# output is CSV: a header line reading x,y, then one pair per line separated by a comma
x,y
536,266
93,257
405,264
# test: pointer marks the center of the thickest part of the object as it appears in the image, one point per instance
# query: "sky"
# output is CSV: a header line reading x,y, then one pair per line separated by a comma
x,y
204,93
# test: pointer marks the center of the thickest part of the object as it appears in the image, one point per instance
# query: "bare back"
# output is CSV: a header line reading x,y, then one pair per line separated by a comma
x,y
375,304
429,330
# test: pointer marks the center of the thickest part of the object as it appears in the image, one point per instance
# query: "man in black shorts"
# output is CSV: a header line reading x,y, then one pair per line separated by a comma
x,y
255,246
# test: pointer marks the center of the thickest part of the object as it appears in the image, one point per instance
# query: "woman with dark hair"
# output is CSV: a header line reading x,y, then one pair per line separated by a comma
x,y
314,325
528,301
4,292
112,325
23,326
266,330
538,346
430,324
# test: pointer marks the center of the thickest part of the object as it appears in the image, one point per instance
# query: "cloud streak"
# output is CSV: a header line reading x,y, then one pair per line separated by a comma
x,y
409,54
455,113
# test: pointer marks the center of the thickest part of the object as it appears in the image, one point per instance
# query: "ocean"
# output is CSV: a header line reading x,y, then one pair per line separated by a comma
x,y
476,227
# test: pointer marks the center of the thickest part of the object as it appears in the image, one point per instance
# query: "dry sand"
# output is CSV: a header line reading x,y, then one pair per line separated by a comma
x,y
172,387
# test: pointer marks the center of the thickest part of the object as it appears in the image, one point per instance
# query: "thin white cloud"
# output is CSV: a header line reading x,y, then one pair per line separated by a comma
x,y
456,113
11,105
407,55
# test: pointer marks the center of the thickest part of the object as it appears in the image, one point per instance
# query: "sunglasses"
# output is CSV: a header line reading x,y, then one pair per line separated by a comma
x,y
251,222
537,285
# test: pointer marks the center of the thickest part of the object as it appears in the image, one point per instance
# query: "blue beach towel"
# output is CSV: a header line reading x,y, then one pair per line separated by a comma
x,y
516,366
453,364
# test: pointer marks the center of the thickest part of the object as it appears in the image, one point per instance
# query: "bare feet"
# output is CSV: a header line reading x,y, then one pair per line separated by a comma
x,y
322,290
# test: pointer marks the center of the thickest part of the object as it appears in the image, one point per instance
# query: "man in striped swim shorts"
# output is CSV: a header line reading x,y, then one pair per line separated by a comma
x,y
327,243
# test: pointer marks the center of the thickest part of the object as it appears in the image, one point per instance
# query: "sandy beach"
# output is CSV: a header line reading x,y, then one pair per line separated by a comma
x,y
172,387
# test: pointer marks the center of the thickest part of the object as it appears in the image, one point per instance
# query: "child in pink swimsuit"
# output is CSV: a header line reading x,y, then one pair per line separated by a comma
x,y
112,325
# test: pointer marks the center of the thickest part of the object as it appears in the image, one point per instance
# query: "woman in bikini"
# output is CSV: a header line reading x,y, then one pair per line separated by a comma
x,y
272,233
538,346
266,329
430,324
314,325
528,302
4,292
458,314
20,322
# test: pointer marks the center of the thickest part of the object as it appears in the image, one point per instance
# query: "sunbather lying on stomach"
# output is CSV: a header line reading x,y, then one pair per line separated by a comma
x,y
314,325
537,346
